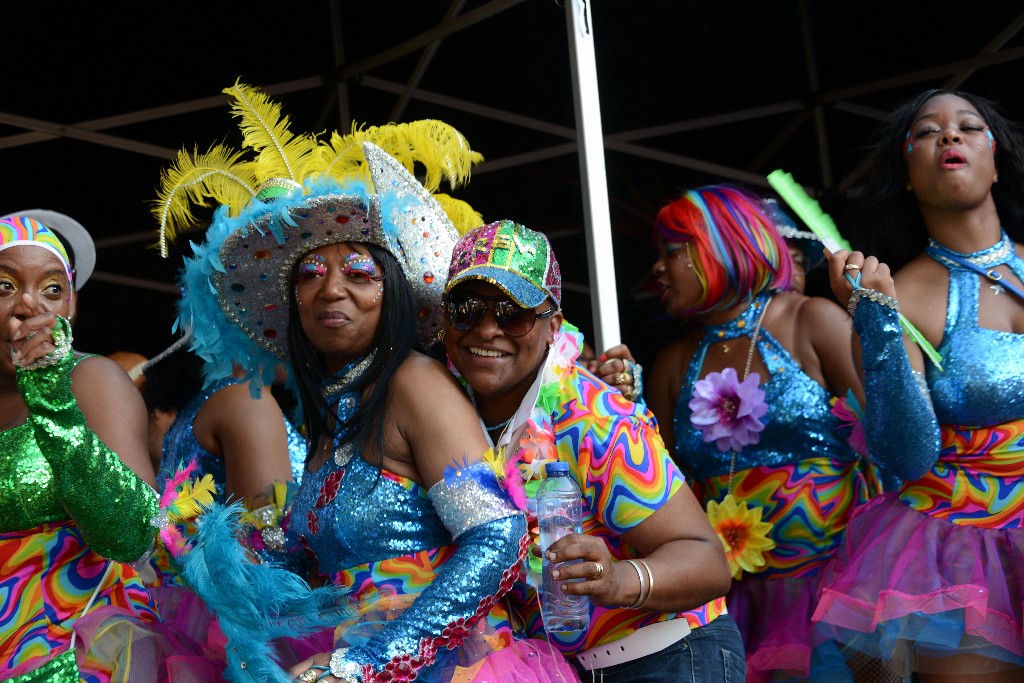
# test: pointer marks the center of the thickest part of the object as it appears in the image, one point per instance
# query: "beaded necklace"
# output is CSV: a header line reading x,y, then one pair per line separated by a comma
x,y
342,397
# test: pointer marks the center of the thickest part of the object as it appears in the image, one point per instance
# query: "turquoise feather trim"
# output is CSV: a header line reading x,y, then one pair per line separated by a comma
x,y
254,603
221,343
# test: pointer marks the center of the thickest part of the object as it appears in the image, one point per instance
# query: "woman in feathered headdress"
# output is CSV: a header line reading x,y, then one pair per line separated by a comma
x,y
331,257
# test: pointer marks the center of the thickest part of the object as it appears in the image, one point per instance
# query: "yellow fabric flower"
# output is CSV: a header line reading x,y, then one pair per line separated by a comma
x,y
744,536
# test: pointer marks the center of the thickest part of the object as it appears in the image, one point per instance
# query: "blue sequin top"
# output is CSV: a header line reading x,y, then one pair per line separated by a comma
x,y
798,425
983,381
374,516
180,444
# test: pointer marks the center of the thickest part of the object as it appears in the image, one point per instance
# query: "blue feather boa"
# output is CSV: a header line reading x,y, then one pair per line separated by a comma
x,y
254,603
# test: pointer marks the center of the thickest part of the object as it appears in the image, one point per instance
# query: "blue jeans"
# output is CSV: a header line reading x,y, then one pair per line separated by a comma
x,y
710,654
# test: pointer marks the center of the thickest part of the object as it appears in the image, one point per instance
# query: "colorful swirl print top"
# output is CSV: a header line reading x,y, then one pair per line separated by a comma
x,y
419,595
181,446
616,455
47,570
979,402
802,473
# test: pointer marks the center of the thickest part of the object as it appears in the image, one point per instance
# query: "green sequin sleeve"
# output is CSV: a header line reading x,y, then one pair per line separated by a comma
x,y
109,503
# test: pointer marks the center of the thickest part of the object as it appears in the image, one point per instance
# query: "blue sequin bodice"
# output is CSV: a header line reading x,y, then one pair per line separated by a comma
x,y
180,444
356,514
983,381
798,425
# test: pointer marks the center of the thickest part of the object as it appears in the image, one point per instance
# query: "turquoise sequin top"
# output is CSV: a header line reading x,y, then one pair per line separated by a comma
x,y
984,379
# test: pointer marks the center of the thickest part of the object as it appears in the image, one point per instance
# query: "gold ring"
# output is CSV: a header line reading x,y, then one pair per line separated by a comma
x,y
622,378
628,394
851,266
598,571
309,675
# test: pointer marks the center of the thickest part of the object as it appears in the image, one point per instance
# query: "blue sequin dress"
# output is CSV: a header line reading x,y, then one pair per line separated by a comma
x,y
937,565
806,480
424,603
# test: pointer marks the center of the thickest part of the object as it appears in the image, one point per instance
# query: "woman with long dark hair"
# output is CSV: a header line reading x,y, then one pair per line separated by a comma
x,y
337,269
929,577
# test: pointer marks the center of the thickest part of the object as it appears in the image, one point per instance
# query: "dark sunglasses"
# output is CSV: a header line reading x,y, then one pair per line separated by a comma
x,y
513,319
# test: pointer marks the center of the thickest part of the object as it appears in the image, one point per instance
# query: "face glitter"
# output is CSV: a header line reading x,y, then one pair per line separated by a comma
x,y
313,265
360,267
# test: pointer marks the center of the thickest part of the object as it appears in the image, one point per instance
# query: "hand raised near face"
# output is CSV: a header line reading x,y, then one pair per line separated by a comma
x,y
32,338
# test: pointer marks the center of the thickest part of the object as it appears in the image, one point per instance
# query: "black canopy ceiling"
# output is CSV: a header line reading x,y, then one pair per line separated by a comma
x,y
98,96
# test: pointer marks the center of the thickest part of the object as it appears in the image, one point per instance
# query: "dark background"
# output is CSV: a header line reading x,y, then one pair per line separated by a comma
x,y
738,89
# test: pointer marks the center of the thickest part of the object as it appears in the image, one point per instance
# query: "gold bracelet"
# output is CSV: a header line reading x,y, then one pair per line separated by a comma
x,y
643,594
650,583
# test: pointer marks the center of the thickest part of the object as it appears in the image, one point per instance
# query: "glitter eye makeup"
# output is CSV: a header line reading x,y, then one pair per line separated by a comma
x,y
909,147
313,265
991,138
360,266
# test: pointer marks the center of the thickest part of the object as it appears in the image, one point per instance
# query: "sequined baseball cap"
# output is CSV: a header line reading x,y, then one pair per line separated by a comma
x,y
515,259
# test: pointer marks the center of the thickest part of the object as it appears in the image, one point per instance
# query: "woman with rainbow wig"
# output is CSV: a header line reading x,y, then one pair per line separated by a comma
x,y
744,396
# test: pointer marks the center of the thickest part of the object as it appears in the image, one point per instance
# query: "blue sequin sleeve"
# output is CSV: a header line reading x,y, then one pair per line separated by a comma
x,y
489,532
900,428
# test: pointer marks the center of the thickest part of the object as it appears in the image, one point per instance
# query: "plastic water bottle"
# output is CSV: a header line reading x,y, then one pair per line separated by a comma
x,y
560,512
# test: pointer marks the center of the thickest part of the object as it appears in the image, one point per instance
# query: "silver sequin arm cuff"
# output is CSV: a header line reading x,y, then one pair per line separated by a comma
x,y
899,423
471,499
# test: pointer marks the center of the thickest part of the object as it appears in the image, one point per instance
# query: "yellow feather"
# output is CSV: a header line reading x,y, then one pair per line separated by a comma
x,y
463,216
280,154
193,498
217,175
439,148
495,460
280,496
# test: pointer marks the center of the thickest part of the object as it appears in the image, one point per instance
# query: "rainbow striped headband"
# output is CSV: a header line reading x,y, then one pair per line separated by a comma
x,y
24,231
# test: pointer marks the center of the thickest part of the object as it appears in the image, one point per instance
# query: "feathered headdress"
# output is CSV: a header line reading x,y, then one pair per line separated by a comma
x,y
285,195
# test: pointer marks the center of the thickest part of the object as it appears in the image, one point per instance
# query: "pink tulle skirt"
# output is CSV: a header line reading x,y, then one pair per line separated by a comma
x,y
904,580
522,660
774,619
187,618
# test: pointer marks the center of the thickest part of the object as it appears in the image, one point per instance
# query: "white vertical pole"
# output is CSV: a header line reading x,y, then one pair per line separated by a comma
x,y
590,138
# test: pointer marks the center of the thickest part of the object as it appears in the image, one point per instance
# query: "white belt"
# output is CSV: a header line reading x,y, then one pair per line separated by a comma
x,y
640,643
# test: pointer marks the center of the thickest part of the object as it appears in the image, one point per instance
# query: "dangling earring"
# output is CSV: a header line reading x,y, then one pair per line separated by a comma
x,y
995,177
440,336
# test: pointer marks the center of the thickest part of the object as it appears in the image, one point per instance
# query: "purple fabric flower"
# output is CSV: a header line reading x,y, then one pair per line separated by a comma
x,y
728,411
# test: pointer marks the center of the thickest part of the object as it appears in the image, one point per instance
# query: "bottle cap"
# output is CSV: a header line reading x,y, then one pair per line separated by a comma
x,y
556,468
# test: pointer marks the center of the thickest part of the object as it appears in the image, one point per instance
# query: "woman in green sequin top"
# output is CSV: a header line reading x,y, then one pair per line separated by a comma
x,y
76,484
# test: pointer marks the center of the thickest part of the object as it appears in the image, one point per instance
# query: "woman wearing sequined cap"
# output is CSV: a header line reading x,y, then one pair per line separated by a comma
x,y
76,495
930,578
396,507
744,396
648,552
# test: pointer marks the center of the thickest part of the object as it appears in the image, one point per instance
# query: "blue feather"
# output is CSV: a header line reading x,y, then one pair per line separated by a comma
x,y
254,603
